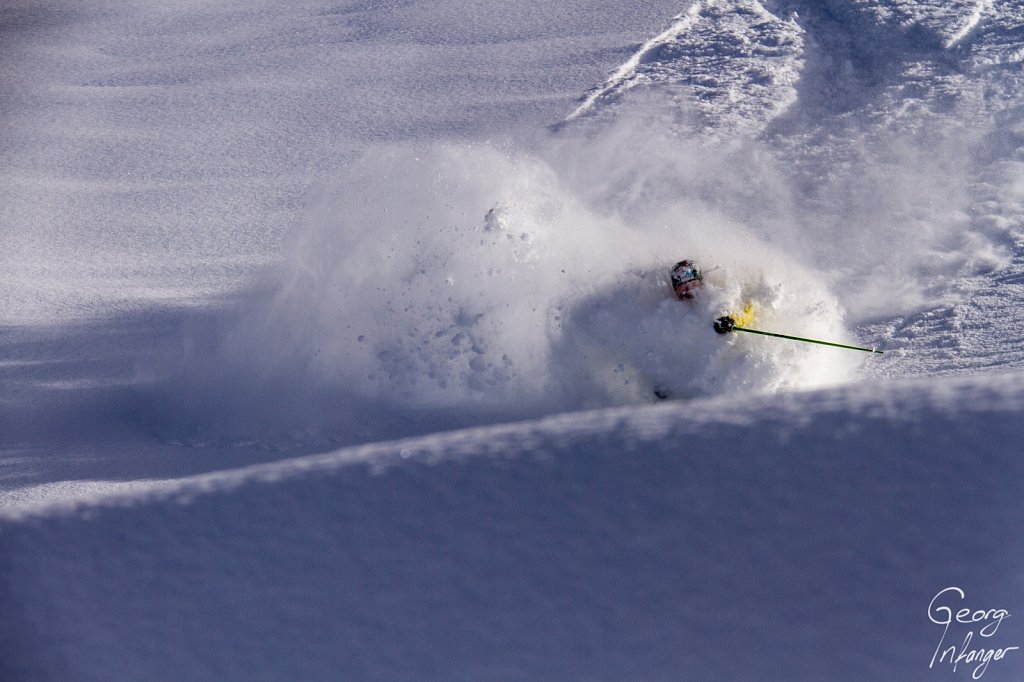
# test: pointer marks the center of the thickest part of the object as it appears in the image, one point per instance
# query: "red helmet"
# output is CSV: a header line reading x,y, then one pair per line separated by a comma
x,y
686,279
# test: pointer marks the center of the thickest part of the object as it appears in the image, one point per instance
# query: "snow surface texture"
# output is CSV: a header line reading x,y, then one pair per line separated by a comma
x,y
239,234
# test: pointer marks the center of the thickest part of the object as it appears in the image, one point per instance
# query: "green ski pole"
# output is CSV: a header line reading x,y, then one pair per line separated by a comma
x,y
724,325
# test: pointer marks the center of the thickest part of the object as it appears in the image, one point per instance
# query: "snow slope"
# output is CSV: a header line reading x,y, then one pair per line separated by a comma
x,y
239,236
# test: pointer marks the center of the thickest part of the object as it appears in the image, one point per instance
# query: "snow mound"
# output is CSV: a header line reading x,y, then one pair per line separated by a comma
x,y
621,544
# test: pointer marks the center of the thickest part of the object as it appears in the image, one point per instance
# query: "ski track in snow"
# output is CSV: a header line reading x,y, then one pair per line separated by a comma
x,y
973,20
732,62
628,70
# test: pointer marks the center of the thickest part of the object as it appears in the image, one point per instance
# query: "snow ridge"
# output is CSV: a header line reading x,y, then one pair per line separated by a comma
x,y
424,559
973,20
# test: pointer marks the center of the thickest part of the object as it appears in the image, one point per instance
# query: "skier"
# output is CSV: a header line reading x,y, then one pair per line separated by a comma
x,y
686,279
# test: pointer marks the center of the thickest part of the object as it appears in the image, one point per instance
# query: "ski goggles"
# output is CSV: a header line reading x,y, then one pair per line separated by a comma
x,y
685,273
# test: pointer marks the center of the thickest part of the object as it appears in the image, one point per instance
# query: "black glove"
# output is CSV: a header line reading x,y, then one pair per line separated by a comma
x,y
724,324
